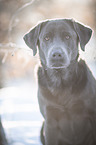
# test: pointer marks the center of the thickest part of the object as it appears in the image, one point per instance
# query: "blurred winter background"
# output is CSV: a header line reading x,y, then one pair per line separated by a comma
x,y
18,82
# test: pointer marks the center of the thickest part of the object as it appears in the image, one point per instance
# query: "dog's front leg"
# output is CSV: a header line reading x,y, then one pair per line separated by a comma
x,y
51,128
51,134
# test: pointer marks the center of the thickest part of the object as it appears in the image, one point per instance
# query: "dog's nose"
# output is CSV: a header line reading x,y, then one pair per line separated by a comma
x,y
57,55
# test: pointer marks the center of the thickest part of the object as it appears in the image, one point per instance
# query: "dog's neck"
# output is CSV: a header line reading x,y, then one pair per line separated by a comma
x,y
63,75
73,78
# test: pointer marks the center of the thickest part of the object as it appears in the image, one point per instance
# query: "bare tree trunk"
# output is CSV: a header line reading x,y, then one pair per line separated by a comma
x,y
3,140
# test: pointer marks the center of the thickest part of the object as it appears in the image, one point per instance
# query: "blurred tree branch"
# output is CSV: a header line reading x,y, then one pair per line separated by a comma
x,y
14,16
11,47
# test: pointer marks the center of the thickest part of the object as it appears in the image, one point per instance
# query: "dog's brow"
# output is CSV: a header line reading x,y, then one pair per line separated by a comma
x,y
49,33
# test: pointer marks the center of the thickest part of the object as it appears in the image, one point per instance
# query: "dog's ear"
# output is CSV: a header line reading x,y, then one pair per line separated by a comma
x,y
31,38
84,34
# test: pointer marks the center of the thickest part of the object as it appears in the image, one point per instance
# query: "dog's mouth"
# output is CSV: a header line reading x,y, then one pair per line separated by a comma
x,y
57,65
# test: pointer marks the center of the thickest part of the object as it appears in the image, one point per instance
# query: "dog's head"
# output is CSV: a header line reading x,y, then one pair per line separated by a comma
x,y
57,41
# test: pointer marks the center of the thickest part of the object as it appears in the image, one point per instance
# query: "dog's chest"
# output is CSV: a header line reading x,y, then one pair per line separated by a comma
x,y
54,91
70,123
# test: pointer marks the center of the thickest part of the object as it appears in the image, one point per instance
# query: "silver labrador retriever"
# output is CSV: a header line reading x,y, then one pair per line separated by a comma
x,y
67,88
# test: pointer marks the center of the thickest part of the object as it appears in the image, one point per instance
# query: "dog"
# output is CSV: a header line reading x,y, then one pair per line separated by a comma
x,y
66,86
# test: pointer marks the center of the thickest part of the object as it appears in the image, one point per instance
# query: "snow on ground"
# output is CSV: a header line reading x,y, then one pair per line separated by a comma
x,y
20,113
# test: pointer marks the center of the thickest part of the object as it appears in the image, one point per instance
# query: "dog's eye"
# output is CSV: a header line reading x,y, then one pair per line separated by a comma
x,y
46,38
67,37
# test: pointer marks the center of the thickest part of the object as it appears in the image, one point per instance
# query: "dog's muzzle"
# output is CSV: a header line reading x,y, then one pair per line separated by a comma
x,y
58,58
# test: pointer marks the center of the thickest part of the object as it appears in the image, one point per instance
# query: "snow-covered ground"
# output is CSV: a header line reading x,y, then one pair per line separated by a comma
x,y
20,113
